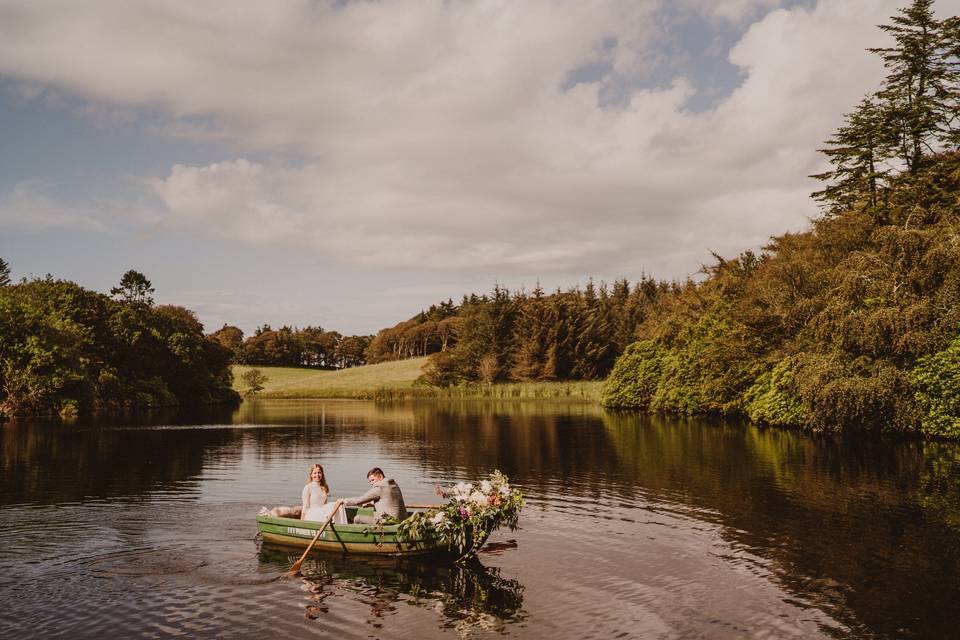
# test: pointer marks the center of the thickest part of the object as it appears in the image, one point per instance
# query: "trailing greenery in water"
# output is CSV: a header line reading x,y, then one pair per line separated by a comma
x,y
469,517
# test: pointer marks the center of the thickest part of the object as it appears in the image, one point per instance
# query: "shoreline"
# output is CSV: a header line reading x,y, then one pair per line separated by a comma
x,y
577,390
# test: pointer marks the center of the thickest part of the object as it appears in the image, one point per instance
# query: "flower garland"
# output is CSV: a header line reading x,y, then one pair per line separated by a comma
x,y
472,513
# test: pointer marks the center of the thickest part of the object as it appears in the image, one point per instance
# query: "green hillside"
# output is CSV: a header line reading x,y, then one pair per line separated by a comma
x,y
355,382
395,381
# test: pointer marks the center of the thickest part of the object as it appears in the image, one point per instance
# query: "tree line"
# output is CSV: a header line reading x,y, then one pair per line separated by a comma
x,y
427,332
854,324
292,347
573,334
66,350
502,336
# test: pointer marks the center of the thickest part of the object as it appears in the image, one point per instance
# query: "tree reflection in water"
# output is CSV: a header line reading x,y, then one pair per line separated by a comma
x,y
465,597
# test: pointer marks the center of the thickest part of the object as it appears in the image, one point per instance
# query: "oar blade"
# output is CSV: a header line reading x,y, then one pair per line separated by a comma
x,y
295,569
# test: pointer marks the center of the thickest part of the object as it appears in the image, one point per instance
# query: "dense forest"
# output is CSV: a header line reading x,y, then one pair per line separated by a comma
x,y
855,323
575,334
66,350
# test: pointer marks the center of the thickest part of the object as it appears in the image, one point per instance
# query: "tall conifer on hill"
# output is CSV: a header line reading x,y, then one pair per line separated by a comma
x,y
913,115
920,91
858,152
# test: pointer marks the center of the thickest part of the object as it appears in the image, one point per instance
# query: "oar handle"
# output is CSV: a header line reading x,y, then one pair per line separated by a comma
x,y
295,569
410,506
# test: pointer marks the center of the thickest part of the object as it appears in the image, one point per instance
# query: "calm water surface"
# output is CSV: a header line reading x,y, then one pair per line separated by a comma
x,y
634,527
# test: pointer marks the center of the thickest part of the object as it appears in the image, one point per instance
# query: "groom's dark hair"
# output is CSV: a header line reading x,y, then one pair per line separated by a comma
x,y
376,471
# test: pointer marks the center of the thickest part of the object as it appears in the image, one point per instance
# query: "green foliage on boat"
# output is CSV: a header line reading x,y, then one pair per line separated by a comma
x,y
471,514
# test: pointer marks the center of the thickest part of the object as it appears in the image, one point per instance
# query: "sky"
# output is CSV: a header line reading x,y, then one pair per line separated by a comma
x,y
346,164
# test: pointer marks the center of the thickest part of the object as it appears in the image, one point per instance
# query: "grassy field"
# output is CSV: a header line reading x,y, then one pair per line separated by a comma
x,y
395,381
356,382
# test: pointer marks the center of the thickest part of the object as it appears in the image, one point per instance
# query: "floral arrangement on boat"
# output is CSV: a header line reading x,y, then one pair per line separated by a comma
x,y
472,513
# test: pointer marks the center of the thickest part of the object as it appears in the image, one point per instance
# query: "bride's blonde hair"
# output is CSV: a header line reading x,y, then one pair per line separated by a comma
x,y
323,478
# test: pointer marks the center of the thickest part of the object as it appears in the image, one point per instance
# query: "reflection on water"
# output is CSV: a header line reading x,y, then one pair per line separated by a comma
x,y
653,526
465,597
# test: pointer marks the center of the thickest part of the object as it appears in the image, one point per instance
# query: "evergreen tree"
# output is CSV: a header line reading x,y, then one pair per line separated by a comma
x,y
951,44
134,287
858,153
913,115
531,338
920,92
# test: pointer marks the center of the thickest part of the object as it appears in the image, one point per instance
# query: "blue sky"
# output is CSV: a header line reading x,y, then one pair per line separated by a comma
x,y
348,164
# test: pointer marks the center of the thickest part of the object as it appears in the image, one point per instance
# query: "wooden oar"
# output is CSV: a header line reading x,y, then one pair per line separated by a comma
x,y
410,506
295,569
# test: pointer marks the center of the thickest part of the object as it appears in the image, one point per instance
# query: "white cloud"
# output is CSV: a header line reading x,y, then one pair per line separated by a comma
x,y
236,199
734,11
28,206
440,135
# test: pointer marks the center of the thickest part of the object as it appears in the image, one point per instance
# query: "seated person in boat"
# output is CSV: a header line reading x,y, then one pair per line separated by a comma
x,y
314,499
385,496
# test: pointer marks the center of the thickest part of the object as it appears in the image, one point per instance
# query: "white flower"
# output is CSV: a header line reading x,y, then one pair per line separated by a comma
x,y
478,498
439,517
486,487
505,491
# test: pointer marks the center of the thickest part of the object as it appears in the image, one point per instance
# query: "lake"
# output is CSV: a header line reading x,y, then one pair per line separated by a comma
x,y
635,526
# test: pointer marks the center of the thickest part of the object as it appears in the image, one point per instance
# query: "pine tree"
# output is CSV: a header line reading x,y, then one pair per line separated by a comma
x,y
858,152
134,287
531,338
919,93
913,115
951,44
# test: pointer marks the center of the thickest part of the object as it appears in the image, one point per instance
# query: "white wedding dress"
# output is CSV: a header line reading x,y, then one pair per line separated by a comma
x,y
317,509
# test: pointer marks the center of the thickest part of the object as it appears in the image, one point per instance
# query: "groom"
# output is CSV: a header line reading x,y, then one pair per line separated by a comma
x,y
386,496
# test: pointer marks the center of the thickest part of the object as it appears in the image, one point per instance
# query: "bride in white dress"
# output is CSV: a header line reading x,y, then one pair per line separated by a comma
x,y
314,499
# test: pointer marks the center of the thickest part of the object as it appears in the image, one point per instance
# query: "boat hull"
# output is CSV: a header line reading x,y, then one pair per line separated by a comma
x,y
343,538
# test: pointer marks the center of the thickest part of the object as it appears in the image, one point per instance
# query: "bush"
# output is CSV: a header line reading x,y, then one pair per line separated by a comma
x,y
840,394
635,376
772,399
440,370
679,389
936,388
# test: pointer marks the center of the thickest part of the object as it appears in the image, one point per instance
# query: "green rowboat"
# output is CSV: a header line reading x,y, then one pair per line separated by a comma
x,y
348,538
